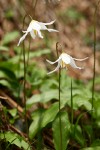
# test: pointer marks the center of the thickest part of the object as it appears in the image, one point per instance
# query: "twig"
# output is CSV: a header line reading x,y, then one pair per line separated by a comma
x,y
11,102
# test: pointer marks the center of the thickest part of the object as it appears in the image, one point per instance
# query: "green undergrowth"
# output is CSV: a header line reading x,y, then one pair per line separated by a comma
x,y
41,118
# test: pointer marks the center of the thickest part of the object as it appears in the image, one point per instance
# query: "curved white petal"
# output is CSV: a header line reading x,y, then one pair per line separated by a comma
x,y
22,38
39,33
32,34
47,23
57,68
81,59
72,64
24,31
67,59
43,27
50,62
52,30
30,27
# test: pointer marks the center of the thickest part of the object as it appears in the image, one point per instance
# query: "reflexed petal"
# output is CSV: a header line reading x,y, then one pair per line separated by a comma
x,y
47,23
81,59
22,38
55,68
52,30
50,62
43,27
24,31
32,34
72,63
30,27
69,60
39,33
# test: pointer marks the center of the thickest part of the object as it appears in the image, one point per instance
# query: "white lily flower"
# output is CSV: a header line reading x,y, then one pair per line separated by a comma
x,y
35,28
64,61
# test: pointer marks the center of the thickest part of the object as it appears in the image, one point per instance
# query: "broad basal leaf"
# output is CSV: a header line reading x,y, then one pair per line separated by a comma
x,y
77,135
61,144
43,98
42,118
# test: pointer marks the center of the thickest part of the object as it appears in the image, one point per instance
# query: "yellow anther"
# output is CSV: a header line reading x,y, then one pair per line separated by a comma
x,y
63,65
35,32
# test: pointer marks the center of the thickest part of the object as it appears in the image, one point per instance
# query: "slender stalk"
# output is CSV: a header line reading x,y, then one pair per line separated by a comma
x,y
61,146
72,111
94,53
71,105
24,82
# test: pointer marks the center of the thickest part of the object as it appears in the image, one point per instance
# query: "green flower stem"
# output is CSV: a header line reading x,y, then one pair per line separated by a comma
x,y
24,82
61,146
94,53
71,105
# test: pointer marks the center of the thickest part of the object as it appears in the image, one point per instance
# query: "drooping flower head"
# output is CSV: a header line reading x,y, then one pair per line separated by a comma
x,y
65,61
35,28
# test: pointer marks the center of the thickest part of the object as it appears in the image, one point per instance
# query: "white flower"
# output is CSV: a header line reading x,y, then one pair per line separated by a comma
x,y
35,28
65,61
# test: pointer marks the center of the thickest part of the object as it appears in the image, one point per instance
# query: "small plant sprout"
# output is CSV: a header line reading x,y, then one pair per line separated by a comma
x,y
65,61
35,28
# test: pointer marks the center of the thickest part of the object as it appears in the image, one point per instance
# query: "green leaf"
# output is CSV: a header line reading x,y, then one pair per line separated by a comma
x,y
47,96
43,98
8,72
25,145
9,13
9,37
4,48
96,142
74,14
96,113
16,139
65,129
50,114
92,148
13,112
81,100
41,52
97,109
52,83
89,131
42,118
77,135
8,77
